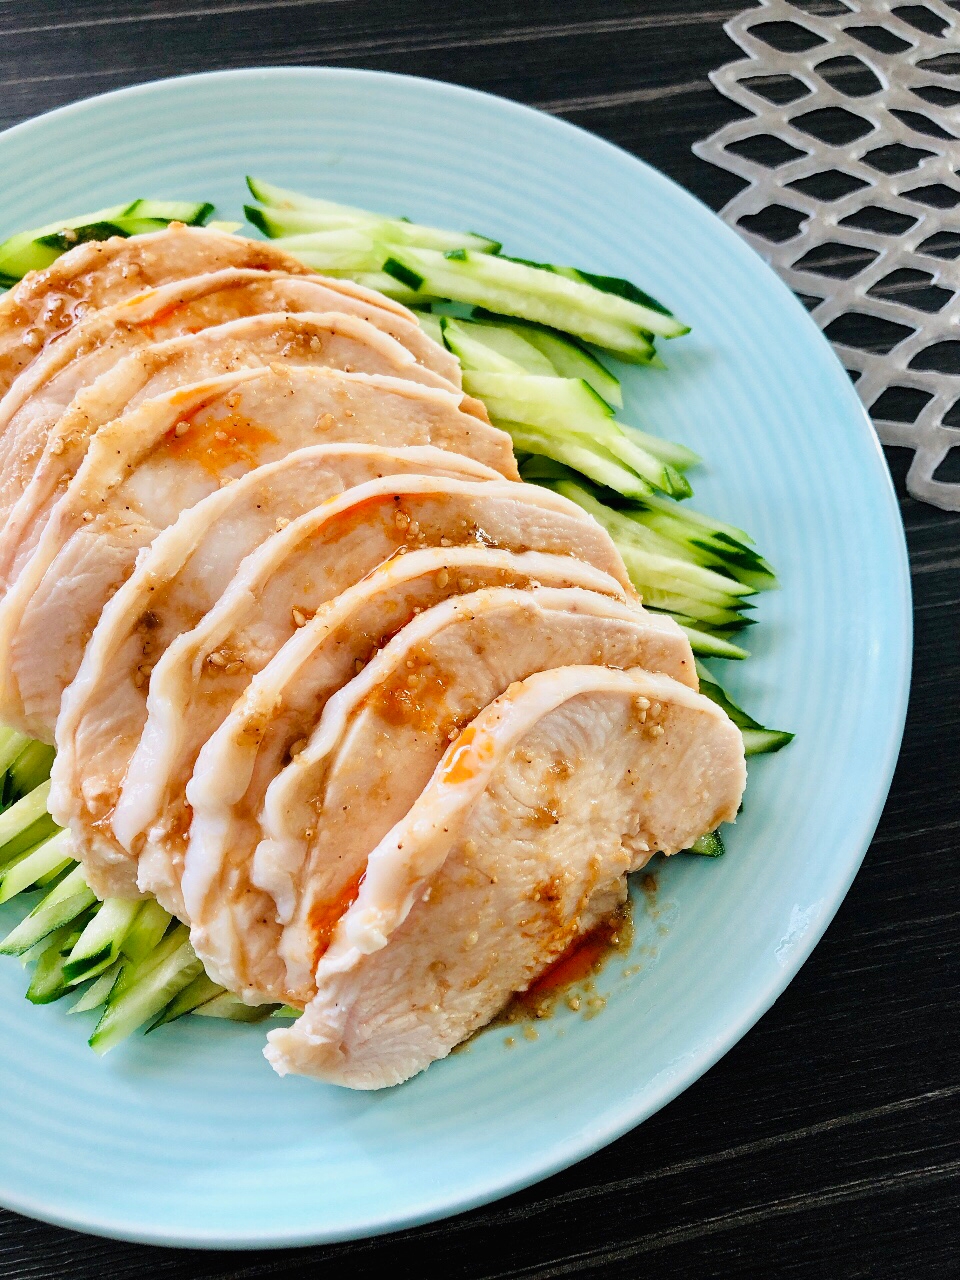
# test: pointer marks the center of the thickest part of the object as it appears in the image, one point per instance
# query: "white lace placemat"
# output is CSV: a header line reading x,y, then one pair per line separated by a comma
x,y
852,153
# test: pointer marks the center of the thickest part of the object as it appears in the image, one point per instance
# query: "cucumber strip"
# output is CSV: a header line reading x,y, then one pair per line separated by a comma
x,y
281,223
138,1003
430,324
475,356
11,744
218,224
345,250
622,298
200,991
98,990
707,525
61,241
99,944
621,289
286,1011
591,460
678,455
708,646
569,406
23,814
24,251
50,857
31,767
49,982
193,212
146,932
569,358
383,283
232,1008
757,739
530,293
137,970
510,342
669,572
29,839
709,845
62,904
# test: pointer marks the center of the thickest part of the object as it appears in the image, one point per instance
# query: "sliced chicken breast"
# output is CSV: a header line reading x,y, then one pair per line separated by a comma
x,y
282,586
381,736
234,923
145,468
34,403
334,340
175,582
475,892
46,304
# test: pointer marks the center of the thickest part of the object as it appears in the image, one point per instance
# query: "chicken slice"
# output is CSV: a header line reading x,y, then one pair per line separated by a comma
x,y
332,339
300,569
42,393
235,926
519,844
176,581
46,304
143,469
380,738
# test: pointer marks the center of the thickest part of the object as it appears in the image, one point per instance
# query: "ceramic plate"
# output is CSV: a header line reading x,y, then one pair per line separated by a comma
x,y
186,1136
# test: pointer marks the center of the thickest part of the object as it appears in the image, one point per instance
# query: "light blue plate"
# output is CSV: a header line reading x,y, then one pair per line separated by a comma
x,y
187,1137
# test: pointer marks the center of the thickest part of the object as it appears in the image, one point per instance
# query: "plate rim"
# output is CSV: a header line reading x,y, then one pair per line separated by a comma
x,y
628,1115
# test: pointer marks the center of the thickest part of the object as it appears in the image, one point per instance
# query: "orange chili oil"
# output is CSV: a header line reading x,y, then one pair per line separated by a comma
x,y
574,969
325,916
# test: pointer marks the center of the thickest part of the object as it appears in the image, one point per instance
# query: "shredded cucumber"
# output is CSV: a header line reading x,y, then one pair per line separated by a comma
x,y
131,1005
532,292
64,903
47,858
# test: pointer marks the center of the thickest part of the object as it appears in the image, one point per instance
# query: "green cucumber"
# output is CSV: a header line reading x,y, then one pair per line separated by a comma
x,y
474,355
99,944
193,212
569,406
199,992
98,991
146,932
430,324
509,342
349,249
677,455
583,455
26,841
382,283
24,251
130,1006
31,767
567,357
290,213
286,1011
67,900
233,1009
757,739
49,982
532,293
11,744
709,845
281,224
47,858
705,645
22,814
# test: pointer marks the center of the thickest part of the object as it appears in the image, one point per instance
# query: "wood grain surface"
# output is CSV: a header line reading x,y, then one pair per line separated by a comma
x,y
827,1143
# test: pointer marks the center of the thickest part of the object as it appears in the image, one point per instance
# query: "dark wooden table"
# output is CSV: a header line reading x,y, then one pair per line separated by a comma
x,y
825,1145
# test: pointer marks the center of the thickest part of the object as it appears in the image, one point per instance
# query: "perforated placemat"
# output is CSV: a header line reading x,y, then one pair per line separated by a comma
x,y
851,153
